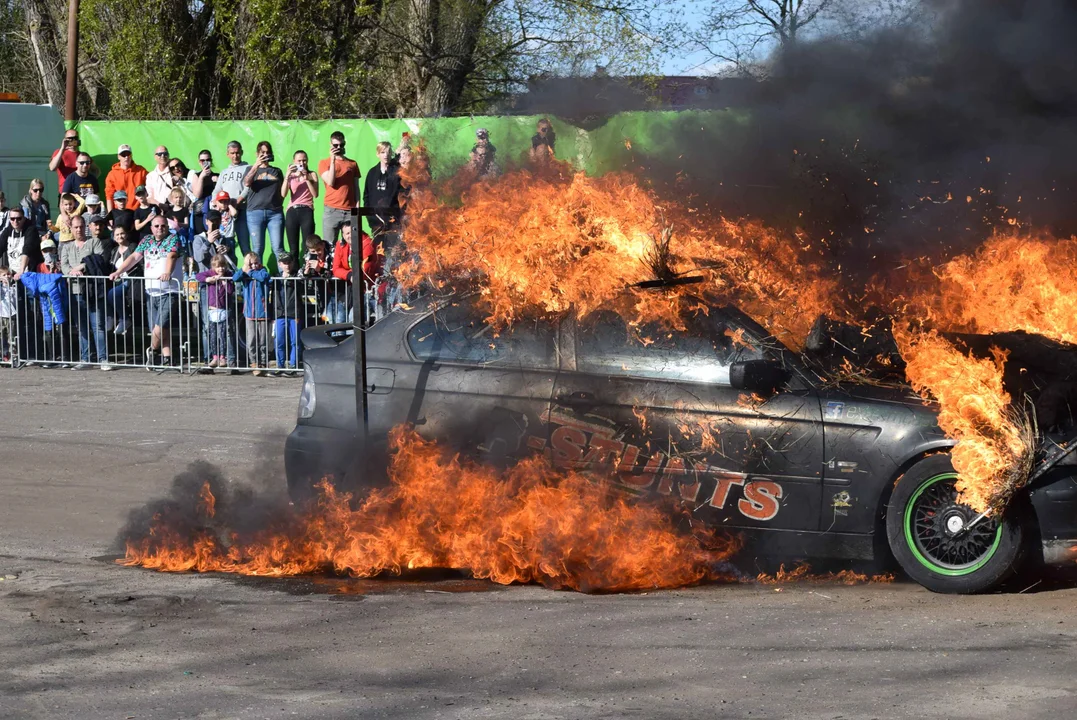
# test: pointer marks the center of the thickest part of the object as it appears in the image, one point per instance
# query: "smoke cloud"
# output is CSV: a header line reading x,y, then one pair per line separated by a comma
x,y
905,143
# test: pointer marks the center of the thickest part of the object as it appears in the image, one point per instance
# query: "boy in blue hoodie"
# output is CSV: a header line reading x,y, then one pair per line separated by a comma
x,y
255,281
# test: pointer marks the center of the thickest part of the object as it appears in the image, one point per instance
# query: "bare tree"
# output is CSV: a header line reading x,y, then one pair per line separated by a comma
x,y
742,33
46,50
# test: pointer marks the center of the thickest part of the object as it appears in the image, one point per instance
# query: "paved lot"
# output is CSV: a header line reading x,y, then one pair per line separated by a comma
x,y
82,637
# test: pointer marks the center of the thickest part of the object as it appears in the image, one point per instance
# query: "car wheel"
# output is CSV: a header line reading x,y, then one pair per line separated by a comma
x,y
928,534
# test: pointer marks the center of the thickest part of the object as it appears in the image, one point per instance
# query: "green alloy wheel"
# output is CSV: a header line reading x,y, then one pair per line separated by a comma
x,y
931,537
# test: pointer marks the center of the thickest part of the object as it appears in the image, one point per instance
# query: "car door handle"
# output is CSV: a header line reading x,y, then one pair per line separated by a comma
x,y
581,400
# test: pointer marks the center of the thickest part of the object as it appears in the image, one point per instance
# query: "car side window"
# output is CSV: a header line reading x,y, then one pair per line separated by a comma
x,y
458,332
606,344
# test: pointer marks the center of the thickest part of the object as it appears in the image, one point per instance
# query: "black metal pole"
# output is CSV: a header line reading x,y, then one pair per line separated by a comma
x,y
360,322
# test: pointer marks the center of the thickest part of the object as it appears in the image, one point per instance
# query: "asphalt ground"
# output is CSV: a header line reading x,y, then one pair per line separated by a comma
x,y
81,637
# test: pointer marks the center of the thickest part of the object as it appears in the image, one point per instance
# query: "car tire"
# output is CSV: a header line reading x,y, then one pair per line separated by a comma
x,y
921,517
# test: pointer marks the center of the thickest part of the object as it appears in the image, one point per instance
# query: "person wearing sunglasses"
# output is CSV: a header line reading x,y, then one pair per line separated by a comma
x,y
159,181
36,208
201,182
65,159
125,175
82,182
20,252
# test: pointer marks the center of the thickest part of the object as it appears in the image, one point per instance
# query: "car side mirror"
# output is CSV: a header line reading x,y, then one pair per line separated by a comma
x,y
761,376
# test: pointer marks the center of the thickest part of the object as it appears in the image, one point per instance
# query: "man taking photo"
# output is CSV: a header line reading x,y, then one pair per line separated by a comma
x,y
341,177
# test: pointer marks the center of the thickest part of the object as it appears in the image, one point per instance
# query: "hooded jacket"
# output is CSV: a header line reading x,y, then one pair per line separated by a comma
x,y
126,180
255,293
49,290
31,246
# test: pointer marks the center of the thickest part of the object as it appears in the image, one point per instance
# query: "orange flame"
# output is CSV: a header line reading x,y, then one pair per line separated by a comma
x,y
548,238
993,446
1013,282
563,530
803,573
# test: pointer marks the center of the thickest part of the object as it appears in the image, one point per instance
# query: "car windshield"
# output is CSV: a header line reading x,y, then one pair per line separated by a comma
x,y
457,331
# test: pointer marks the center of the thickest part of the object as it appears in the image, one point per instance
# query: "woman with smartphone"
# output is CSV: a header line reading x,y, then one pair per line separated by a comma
x,y
303,185
265,203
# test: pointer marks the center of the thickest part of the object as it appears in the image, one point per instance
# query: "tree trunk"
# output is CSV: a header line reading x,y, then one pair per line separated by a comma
x,y
445,34
46,49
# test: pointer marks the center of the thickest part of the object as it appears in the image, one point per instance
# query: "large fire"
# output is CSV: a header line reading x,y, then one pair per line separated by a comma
x,y
548,238
529,525
551,238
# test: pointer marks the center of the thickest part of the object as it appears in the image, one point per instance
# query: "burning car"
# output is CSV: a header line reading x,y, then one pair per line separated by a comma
x,y
718,415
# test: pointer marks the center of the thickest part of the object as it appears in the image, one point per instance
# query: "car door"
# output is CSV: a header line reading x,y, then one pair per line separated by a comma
x,y
481,387
654,408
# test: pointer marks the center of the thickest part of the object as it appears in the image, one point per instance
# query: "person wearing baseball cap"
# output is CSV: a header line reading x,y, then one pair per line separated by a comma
x,y
125,175
222,203
120,215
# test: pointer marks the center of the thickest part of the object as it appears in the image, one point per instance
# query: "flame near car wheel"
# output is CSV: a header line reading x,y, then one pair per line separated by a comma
x,y
945,545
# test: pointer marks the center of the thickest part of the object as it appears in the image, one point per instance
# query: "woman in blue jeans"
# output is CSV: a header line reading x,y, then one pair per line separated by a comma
x,y
265,203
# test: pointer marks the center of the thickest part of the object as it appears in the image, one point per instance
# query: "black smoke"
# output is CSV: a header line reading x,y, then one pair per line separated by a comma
x,y
910,142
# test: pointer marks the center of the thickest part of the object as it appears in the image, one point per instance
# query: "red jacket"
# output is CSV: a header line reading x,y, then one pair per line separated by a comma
x,y
342,259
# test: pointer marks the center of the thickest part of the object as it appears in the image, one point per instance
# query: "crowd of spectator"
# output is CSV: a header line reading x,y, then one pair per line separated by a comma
x,y
147,246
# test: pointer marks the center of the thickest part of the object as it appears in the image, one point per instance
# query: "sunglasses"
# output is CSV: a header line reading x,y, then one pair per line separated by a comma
x,y
173,167
161,154
15,218
125,154
72,138
337,146
83,162
37,189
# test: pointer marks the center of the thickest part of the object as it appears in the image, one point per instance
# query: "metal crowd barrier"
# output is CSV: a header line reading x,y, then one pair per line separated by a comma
x,y
86,322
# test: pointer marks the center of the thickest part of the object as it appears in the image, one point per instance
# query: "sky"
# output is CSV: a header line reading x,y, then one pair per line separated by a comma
x,y
692,12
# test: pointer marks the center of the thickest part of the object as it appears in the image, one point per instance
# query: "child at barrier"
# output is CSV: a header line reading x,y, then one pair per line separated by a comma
x,y
318,268
218,282
255,282
7,312
288,315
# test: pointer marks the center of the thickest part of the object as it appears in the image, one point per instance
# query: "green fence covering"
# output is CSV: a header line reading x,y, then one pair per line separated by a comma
x,y
619,142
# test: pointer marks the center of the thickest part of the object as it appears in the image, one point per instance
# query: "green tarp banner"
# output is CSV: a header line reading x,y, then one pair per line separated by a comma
x,y
615,144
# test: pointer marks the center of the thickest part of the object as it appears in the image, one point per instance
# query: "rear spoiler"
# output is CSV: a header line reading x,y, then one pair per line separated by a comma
x,y
326,336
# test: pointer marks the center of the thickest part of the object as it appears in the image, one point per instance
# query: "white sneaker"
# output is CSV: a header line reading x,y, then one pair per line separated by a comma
x,y
106,368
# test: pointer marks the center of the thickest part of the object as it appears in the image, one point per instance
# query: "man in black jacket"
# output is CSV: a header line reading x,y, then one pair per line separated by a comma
x,y
380,192
20,251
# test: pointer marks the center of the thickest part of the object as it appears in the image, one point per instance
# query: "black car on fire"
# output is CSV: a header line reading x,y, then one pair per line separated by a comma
x,y
720,416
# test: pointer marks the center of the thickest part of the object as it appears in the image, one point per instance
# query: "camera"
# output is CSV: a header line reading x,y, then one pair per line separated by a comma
x,y
269,157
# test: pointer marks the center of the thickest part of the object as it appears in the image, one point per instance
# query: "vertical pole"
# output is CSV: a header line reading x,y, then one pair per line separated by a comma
x,y
70,104
360,320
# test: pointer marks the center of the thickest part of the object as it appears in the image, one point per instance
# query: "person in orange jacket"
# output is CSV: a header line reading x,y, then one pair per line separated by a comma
x,y
125,175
